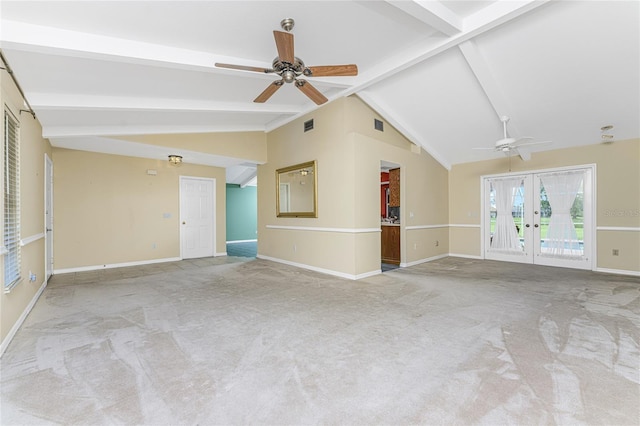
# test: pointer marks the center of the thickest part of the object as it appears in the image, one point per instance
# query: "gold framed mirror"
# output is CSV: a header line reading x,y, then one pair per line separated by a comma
x,y
296,190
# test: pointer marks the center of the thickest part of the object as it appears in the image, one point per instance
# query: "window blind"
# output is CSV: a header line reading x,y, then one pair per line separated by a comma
x,y
11,202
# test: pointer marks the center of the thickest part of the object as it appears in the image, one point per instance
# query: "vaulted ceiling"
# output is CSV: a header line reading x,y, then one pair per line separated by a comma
x,y
441,72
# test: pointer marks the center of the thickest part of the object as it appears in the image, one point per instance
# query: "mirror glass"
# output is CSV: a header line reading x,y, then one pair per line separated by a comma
x,y
296,192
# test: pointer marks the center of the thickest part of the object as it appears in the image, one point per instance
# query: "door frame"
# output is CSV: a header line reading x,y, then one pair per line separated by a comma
x,y
181,179
48,217
591,251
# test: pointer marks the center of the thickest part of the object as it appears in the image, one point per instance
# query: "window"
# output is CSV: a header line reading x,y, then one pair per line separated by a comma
x,y
11,202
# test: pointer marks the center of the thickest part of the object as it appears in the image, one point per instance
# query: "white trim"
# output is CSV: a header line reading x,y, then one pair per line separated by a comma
x,y
115,265
222,253
466,256
618,271
463,225
321,270
551,170
31,239
241,241
414,227
428,259
318,229
48,213
618,228
7,340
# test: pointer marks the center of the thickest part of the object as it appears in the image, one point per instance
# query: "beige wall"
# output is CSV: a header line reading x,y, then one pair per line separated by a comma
x,y
348,151
617,198
108,210
249,146
32,154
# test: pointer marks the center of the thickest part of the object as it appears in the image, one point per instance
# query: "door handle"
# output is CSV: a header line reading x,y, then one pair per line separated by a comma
x,y
536,225
527,225
184,223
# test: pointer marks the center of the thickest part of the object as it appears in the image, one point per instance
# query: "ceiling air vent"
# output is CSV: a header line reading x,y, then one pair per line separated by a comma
x,y
308,125
378,125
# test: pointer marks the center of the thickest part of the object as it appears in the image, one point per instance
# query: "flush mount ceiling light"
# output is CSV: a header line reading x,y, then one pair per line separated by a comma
x,y
175,160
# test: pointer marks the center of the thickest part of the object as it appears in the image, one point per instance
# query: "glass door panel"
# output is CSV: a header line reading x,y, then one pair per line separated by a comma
x,y
507,236
563,218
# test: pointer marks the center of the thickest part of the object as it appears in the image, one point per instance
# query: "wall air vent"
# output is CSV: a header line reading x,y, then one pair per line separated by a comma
x,y
378,125
308,125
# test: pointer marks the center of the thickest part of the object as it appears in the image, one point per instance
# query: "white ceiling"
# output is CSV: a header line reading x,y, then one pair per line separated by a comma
x,y
441,72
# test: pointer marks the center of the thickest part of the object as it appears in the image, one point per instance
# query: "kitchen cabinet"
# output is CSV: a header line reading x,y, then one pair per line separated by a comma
x,y
394,188
390,244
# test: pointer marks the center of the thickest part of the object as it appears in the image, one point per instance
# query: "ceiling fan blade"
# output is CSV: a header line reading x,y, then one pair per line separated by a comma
x,y
332,70
284,43
534,143
520,141
269,91
244,68
313,93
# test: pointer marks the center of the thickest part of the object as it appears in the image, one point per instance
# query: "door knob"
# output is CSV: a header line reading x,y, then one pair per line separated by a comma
x,y
527,225
184,223
536,225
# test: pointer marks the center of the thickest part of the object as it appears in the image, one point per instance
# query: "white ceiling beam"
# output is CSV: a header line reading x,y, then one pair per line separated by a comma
x,y
500,12
473,26
54,41
485,78
432,13
53,101
75,131
488,83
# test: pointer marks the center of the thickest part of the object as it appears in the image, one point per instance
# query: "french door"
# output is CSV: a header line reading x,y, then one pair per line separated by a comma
x,y
544,218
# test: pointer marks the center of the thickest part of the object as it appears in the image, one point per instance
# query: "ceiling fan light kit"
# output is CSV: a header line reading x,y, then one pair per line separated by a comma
x,y
290,68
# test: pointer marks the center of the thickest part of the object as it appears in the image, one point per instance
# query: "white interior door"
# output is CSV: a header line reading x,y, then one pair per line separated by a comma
x,y
48,216
544,218
197,217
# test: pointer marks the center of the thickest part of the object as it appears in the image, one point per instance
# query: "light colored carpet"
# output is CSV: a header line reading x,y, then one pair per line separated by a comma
x,y
455,341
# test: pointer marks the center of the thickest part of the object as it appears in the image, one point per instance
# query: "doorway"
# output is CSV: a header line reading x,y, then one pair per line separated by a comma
x,y
197,217
543,218
390,222
48,217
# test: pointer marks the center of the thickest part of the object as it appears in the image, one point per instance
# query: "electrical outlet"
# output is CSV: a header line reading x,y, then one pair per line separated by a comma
x,y
615,252
32,277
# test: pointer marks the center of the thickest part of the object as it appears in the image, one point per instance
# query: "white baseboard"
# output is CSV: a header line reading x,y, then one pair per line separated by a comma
x,y
321,270
7,340
118,265
222,253
466,256
242,241
428,259
618,271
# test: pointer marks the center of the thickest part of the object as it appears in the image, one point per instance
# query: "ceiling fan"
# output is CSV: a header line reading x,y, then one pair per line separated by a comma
x,y
291,68
510,145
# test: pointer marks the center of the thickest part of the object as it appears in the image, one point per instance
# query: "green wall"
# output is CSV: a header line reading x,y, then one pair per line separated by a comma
x,y
242,213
